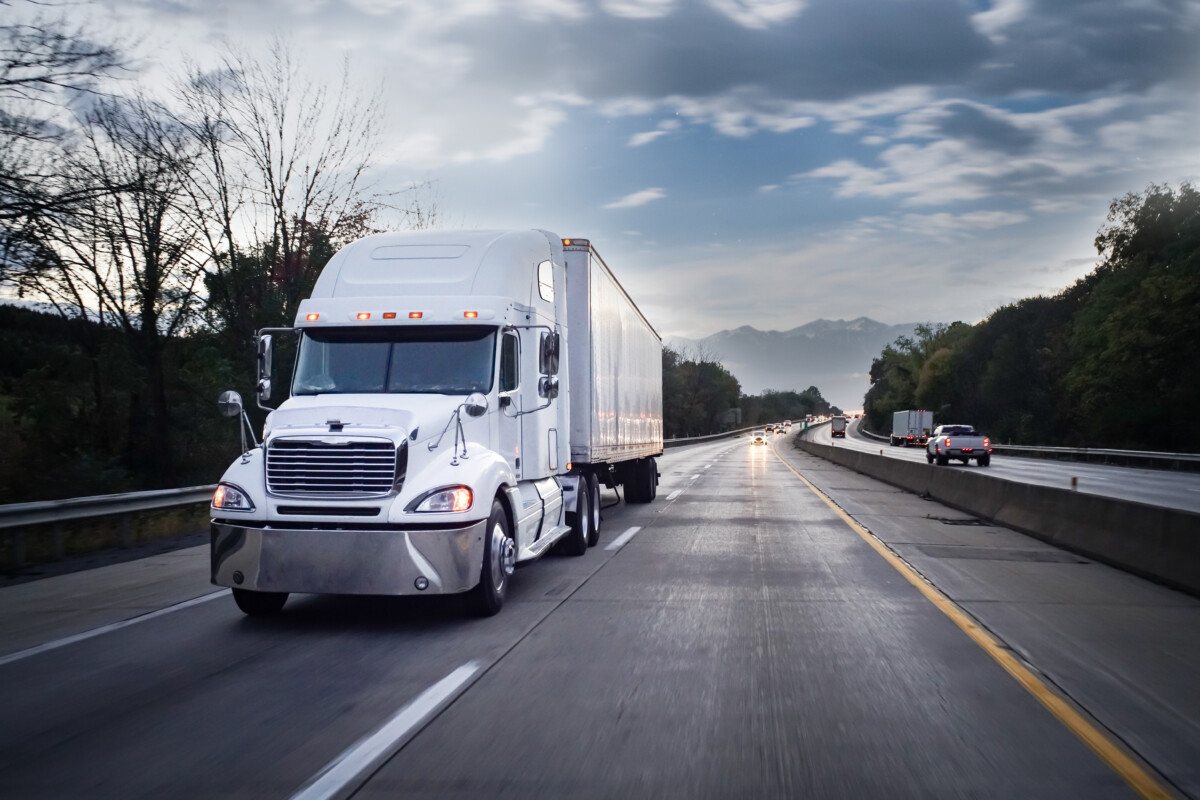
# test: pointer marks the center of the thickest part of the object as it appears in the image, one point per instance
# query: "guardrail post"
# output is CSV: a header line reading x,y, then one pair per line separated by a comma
x,y
18,547
123,530
60,545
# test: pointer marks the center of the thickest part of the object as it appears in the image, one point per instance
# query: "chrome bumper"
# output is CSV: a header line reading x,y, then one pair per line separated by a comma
x,y
347,561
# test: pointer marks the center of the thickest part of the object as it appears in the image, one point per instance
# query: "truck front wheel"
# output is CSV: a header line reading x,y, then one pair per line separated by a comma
x,y
499,558
259,604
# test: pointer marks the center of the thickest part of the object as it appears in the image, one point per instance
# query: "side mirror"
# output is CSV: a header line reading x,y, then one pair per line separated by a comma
x,y
548,354
264,390
264,358
230,404
476,405
548,387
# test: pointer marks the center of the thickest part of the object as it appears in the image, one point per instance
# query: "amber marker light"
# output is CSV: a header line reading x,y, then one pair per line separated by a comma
x,y
471,314
364,315
416,314
389,315
312,317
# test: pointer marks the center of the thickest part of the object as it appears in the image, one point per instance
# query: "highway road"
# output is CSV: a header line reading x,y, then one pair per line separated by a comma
x,y
1154,486
771,626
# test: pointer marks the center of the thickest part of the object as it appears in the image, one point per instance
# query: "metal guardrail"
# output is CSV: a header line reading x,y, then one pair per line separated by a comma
x,y
682,440
15,517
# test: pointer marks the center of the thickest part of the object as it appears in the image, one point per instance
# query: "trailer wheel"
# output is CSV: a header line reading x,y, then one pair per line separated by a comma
x,y
594,534
642,481
499,558
259,604
576,542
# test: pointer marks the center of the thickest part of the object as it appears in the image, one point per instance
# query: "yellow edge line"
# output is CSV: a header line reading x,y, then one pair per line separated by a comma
x,y
1116,758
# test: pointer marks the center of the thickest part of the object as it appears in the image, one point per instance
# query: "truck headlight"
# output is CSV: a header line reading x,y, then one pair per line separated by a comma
x,y
451,498
230,498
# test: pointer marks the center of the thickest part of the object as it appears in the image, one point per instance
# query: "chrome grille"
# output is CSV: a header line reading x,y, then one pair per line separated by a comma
x,y
317,467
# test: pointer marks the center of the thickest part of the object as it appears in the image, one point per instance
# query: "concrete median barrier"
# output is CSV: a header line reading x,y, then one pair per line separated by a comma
x,y
1162,544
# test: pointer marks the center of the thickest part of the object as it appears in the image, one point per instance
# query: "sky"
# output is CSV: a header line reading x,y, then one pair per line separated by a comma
x,y
757,162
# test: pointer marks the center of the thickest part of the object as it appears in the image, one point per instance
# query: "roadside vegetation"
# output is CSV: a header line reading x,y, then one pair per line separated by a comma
x,y
701,396
1111,361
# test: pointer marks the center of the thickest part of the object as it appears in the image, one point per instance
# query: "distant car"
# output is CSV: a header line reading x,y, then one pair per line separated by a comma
x,y
837,428
758,437
769,428
787,423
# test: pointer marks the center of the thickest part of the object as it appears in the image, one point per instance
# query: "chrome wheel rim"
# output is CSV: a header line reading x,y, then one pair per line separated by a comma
x,y
595,496
504,557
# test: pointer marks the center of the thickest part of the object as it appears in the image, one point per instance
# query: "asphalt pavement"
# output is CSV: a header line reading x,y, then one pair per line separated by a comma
x,y
735,638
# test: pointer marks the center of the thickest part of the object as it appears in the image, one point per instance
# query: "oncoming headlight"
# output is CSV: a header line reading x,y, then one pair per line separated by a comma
x,y
228,497
452,498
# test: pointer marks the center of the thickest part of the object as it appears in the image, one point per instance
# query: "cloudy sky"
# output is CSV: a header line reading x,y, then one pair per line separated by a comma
x,y
761,162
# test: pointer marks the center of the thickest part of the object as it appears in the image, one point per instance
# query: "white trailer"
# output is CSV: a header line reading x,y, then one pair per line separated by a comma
x,y
456,402
911,427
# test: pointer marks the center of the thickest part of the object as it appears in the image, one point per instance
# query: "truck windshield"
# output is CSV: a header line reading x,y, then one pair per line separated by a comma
x,y
434,360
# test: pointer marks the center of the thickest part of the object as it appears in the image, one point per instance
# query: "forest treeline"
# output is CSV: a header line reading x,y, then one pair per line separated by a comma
x,y
701,396
1112,361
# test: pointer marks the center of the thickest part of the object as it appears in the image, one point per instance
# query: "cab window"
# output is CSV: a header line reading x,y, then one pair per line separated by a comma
x,y
510,351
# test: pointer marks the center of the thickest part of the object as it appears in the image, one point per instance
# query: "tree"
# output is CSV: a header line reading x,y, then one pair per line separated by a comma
x,y
128,255
281,181
42,64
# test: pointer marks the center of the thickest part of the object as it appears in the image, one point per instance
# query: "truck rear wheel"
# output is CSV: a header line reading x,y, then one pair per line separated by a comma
x,y
580,520
641,483
594,534
499,558
984,460
259,604
943,461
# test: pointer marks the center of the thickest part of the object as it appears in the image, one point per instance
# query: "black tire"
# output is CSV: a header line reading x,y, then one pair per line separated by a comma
x,y
943,461
259,604
575,543
641,484
594,534
929,457
984,460
487,598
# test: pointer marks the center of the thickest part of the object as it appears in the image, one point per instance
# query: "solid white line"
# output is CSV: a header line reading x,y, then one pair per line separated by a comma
x,y
115,626
697,475
623,538
674,494
372,750
706,466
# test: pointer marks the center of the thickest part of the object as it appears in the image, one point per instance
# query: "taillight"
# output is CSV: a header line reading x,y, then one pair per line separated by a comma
x,y
947,442
986,442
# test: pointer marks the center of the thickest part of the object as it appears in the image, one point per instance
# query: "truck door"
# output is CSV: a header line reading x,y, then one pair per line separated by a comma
x,y
510,400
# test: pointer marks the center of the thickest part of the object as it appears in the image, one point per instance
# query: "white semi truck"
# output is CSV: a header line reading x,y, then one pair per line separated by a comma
x,y
457,400
911,427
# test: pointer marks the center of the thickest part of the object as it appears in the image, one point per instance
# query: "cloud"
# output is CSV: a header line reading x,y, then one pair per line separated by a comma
x,y
638,198
664,127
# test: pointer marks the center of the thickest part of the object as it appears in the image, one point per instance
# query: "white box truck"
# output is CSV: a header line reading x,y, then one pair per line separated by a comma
x,y
456,401
911,427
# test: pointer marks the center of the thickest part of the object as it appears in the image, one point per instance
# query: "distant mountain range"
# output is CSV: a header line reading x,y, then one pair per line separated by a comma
x,y
832,354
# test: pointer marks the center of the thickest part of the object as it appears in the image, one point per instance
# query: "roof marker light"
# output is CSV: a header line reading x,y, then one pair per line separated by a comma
x,y
312,317
364,315
389,315
416,314
471,314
